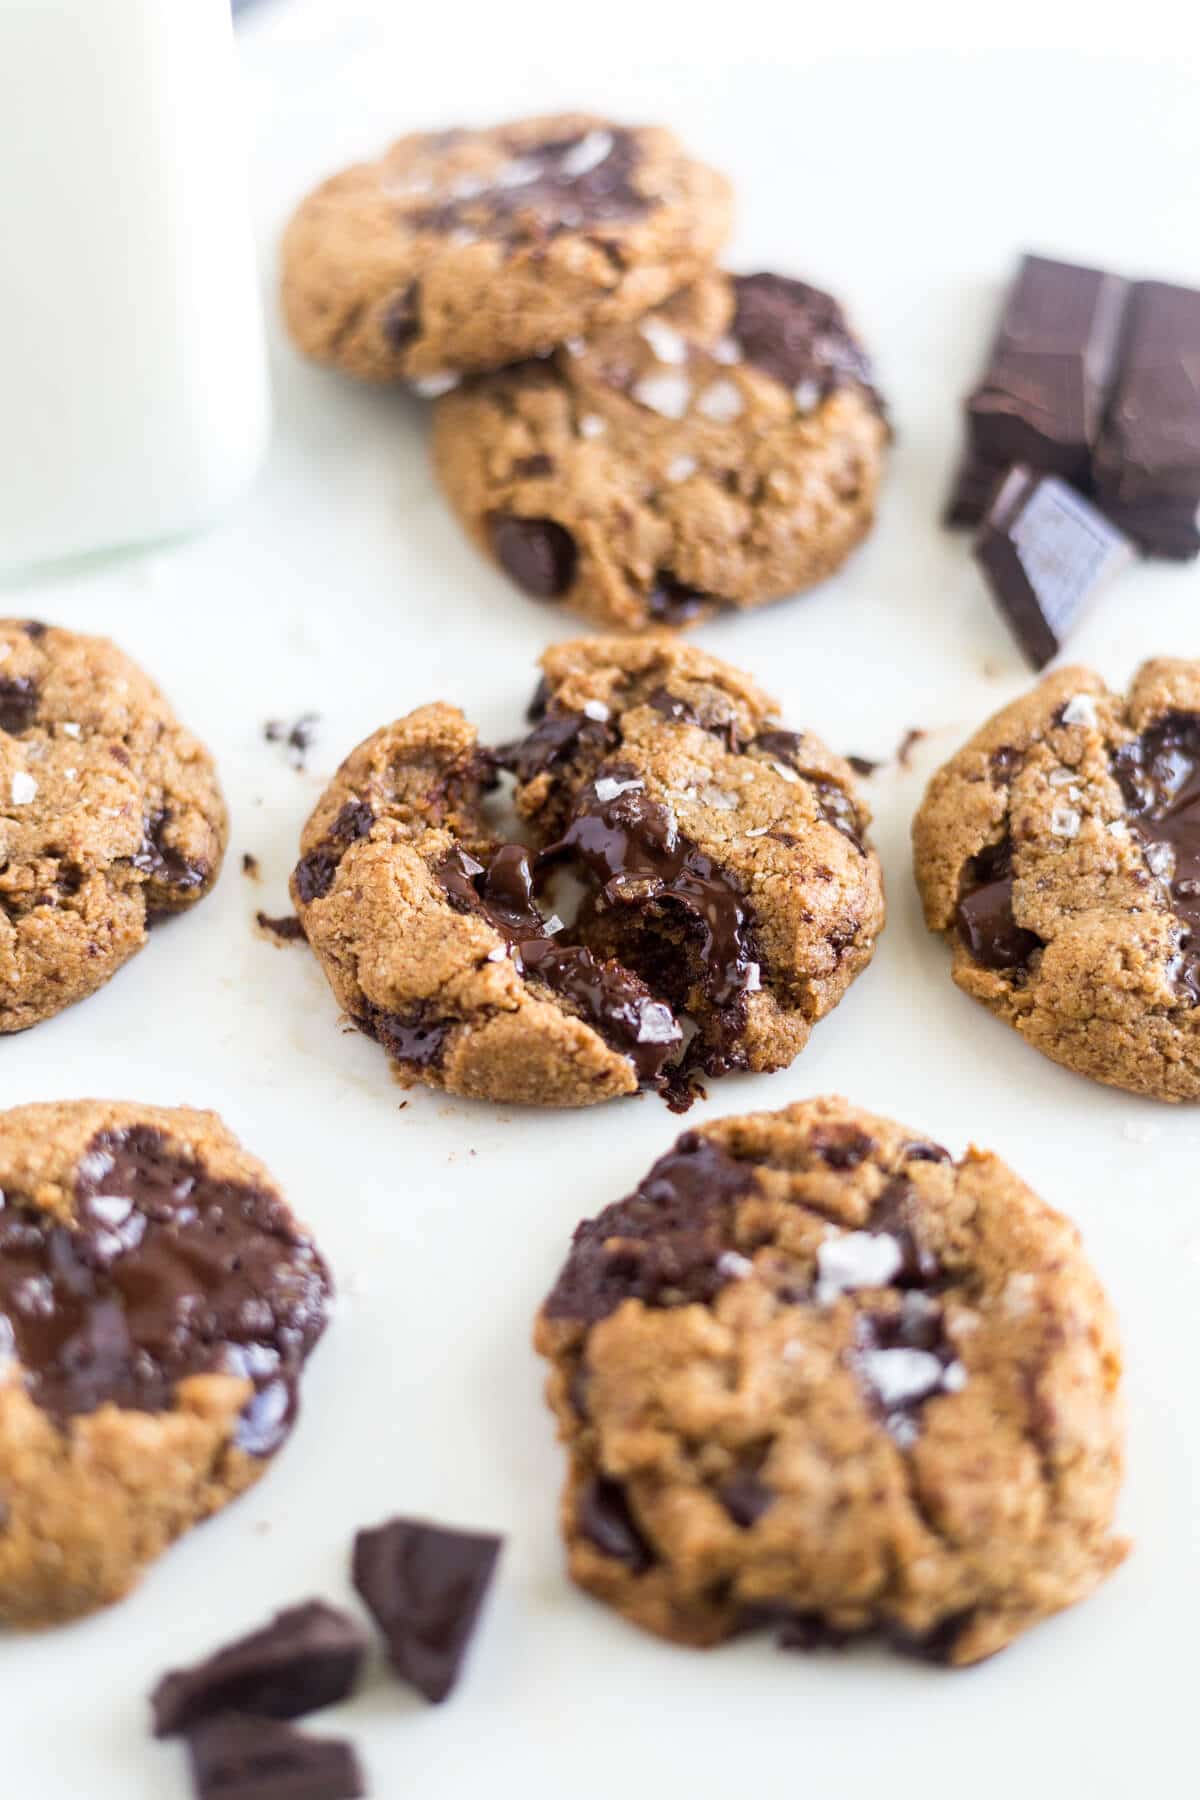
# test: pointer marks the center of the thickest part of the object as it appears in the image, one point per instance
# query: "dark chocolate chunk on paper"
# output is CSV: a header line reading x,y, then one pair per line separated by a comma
x,y
1045,552
424,1586
235,1757
307,1657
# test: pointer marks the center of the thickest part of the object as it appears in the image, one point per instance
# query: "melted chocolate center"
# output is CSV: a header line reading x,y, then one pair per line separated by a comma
x,y
166,1273
616,1002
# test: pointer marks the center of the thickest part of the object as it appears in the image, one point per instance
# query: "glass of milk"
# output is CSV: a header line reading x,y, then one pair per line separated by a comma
x,y
133,388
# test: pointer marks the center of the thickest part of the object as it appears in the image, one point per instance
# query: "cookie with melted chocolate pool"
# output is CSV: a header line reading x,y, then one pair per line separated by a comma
x,y
157,1304
1059,854
462,250
729,893
723,451
110,817
815,1377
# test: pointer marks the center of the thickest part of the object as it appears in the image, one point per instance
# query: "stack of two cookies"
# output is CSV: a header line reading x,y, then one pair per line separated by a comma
x,y
622,426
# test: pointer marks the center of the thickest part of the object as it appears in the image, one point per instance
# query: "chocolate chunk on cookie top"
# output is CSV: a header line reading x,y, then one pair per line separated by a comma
x,y
1059,854
110,815
463,250
815,1375
723,451
157,1304
729,894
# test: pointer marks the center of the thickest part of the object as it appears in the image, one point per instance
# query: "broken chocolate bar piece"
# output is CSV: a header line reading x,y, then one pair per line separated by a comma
x,y
1042,397
307,1657
424,1586
238,1758
1147,465
1045,552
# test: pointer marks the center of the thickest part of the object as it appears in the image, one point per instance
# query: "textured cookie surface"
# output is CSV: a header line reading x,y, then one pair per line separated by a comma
x,y
1059,853
814,1375
724,451
110,813
471,249
157,1302
727,884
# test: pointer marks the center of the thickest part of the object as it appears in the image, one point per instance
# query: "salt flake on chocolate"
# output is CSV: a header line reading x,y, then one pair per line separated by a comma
x,y
596,709
668,345
607,788
1080,710
670,395
856,1259
901,1376
587,154
722,402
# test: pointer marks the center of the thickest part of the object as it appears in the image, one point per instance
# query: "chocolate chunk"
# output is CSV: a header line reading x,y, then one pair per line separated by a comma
x,y
984,916
799,336
162,864
745,1498
936,1645
665,1244
1147,468
974,484
18,703
165,1273
842,1146
307,1657
424,1586
239,1758
1159,777
401,321
1042,397
417,1037
35,629
533,466
606,1521
288,929
316,870
539,554
925,1153
672,602
893,1216
1045,552
564,184
555,738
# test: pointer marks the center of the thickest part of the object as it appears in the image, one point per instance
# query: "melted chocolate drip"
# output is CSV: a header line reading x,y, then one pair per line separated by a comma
x,y
984,917
166,1273
1159,776
664,1243
416,1036
553,199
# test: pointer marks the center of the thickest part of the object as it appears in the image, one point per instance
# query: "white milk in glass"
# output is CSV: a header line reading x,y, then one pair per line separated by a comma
x,y
133,393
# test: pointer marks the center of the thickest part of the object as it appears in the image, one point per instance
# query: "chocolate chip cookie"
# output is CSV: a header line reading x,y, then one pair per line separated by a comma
x,y
1059,854
817,1377
157,1303
730,895
471,249
724,451
110,815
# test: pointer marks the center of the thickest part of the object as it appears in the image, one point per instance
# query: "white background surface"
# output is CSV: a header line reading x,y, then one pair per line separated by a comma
x,y
906,178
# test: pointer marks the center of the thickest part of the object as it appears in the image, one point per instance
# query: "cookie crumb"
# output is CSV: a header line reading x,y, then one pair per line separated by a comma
x,y
285,930
297,737
250,866
908,743
862,765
